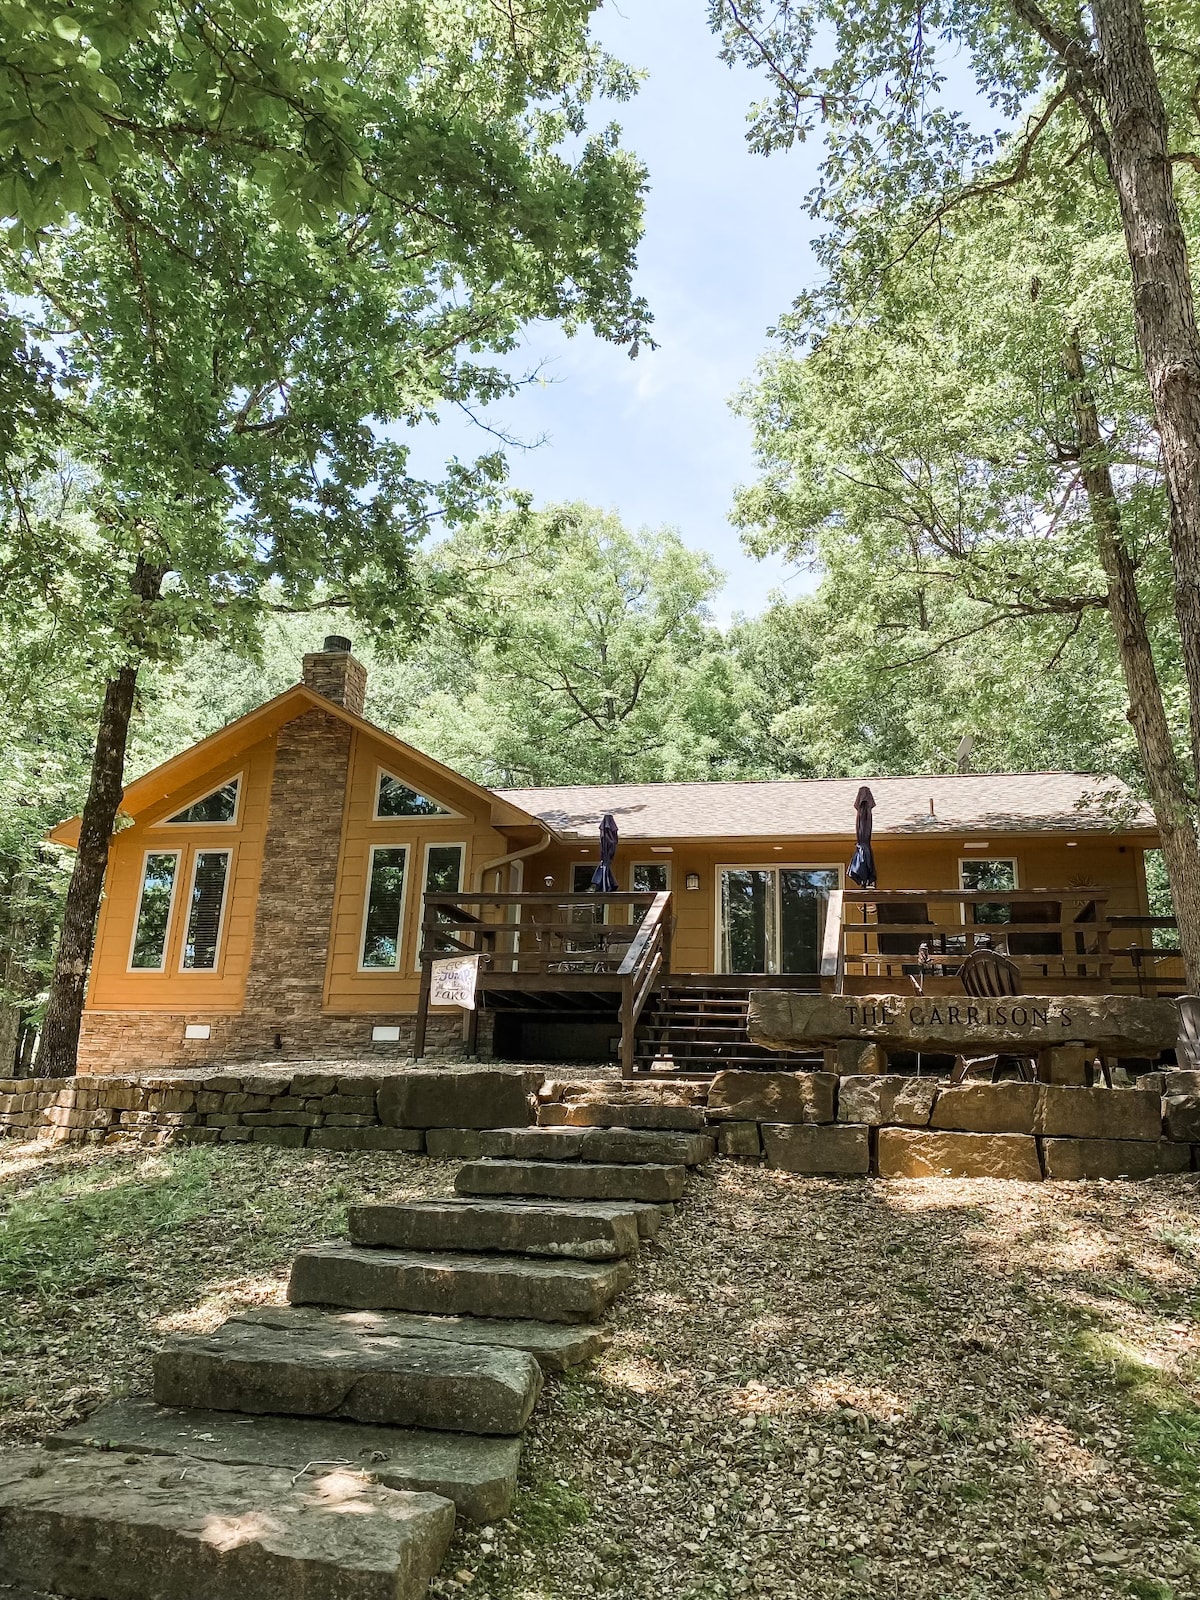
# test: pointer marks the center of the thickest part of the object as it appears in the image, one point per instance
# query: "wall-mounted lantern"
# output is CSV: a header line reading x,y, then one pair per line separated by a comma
x,y
692,881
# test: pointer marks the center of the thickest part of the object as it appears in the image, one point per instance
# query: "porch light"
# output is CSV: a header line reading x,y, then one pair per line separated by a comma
x,y
692,881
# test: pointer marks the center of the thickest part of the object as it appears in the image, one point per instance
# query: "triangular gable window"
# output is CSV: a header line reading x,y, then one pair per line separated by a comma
x,y
396,799
219,806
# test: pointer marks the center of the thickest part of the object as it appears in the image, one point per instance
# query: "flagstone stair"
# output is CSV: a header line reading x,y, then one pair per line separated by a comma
x,y
561,1290
321,1449
607,1114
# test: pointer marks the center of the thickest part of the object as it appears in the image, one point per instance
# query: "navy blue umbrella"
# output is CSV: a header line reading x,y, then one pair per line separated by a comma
x,y
603,880
862,868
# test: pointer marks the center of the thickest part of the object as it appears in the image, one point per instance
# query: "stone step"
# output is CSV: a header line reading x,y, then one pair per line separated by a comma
x,y
479,1474
523,1227
600,1145
455,1285
87,1524
330,1370
572,1180
555,1346
590,1114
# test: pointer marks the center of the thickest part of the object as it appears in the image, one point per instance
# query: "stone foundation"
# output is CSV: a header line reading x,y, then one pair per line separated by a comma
x,y
154,1041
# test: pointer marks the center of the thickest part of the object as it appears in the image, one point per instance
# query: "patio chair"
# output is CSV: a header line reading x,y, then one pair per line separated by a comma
x,y
910,943
987,975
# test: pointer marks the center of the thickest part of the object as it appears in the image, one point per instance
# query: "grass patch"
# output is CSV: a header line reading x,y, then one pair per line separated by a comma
x,y
547,1509
1150,1589
98,1246
1165,1422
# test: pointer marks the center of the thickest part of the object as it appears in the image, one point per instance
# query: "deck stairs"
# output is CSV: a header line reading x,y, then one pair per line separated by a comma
x,y
700,1028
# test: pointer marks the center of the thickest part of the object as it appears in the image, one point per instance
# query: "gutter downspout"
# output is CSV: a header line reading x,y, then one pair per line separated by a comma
x,y
506,861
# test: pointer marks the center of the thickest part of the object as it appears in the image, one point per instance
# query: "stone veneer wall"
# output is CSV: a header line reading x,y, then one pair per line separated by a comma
x,y
153,1041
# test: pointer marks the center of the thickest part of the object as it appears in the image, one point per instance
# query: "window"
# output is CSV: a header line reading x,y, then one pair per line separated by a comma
x,y
443,875
385,908
649,877
581,883
997,872
396,799
206,908
154,911
219,806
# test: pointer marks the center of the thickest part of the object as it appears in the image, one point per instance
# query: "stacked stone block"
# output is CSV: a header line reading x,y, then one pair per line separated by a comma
x,y
327,1109
895,1126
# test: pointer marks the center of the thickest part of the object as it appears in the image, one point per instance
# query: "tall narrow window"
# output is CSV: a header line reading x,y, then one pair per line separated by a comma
x,y
443,875
385,908
154,911
219,806
396,799
205,909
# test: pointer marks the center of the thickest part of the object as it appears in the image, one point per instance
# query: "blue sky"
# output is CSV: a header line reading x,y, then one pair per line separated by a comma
x,y
725,251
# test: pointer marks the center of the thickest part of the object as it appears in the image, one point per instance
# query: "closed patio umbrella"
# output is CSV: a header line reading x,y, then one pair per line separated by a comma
x,y
862,868
603,880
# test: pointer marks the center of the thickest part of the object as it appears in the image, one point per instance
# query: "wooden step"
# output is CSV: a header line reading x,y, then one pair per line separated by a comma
x,y
479,1474
89,1523
456,1285
587,1231
600,1145
332,1371
573,1180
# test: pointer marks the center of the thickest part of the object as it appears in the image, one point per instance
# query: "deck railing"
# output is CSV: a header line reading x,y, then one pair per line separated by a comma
x,y
545,943
1061,939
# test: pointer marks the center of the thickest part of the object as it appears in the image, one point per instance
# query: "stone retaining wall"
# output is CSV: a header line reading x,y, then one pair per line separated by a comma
x,y
329,1107
900,1127
816,1123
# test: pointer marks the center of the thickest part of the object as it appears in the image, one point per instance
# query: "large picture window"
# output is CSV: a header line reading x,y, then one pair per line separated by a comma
x,y
149,950
206,911
385,908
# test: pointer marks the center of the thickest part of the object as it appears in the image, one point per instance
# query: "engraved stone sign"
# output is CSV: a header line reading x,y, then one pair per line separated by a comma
x,y
784,1020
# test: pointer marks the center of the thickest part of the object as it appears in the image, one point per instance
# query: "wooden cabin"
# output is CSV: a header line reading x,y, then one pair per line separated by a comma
x,y
282,890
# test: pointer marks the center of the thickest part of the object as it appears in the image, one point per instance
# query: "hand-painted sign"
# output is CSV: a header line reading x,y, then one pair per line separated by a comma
x,y
452,982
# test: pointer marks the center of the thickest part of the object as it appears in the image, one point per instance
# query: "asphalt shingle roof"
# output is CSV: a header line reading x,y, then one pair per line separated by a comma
x,y
976,802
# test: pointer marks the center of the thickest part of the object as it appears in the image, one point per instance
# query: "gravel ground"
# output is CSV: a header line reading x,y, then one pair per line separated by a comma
x,y
932,1391
939,1389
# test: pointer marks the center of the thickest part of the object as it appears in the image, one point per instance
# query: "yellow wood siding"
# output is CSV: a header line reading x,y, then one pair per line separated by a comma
x,y
113,986
347,988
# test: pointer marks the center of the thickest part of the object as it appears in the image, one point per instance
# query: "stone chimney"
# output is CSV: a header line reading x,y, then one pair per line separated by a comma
x,y
333,672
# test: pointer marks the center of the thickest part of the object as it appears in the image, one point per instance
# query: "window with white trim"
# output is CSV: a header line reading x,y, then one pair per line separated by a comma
x,y
396,799
443,875
220,805
148,953
648,877
385,908
206,911
992,872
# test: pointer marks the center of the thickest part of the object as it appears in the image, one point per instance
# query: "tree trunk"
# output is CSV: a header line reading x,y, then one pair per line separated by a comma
x,y
1163,301
64,1008
1147,714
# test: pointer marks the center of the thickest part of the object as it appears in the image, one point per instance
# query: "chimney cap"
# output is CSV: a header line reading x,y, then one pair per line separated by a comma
x,y
336,642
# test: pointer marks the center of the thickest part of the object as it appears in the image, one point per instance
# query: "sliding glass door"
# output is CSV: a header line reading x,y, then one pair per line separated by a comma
x,y
773,918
